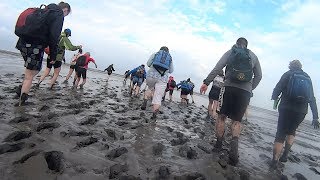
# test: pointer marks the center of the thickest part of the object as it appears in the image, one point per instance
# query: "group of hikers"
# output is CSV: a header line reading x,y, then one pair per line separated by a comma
x,y
234,77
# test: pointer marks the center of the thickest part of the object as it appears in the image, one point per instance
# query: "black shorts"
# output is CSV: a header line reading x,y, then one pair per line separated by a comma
x,y
191,92
288,122
81,72
233,102
214,93
109,73
185,92
32,54
170,91
72,66
56,64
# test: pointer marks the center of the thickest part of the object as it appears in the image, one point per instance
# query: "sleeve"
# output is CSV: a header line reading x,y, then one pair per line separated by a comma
x,y
133,71
280,86
149,63
313,105
257,74
219,66
91,60
69,46
54,33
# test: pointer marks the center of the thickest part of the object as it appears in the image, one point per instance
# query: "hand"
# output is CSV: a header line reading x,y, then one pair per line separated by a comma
x,y
315,123
52,62
203,89
96,66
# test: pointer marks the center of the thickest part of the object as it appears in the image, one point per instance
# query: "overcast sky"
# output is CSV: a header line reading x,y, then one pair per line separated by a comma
x,y
197,32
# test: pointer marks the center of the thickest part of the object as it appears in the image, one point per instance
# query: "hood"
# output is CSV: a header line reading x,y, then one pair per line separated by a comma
x,y
55,8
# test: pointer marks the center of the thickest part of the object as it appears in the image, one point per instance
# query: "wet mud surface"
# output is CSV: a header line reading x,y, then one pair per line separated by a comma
x,y
101,133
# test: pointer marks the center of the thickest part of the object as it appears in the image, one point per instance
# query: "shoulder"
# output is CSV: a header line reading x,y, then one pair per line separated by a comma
x,y
253,55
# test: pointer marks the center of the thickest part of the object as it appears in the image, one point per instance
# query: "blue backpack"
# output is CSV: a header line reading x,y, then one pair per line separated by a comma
x,y
299,88
162,61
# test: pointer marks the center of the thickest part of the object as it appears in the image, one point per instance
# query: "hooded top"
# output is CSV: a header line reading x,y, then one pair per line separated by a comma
x,y
64,44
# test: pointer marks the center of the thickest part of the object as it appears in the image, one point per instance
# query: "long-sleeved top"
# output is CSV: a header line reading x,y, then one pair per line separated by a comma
x,y
153,73
64,44
109,68
247,86
88,60
288,104
135,70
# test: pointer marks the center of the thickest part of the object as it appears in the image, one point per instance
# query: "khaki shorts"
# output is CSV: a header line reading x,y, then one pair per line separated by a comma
x,y
158,87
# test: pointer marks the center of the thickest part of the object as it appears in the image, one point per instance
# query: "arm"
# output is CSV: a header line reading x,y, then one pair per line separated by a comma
x,y
113,69
149,63
54,33
69,45
280,86
219,66
94,62
257,74
313,105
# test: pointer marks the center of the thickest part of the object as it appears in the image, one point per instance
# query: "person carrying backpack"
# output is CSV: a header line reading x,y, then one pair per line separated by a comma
x,y
81,69
72,66
296,90
161,66
109,70
63,45
138,76
214,95
38,28
186,88
243,74
170,87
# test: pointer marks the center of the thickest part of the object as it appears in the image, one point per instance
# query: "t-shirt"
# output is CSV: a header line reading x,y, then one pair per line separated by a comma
x,y
88,59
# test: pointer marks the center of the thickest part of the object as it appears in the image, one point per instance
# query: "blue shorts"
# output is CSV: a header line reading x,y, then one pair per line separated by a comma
x,y
137,80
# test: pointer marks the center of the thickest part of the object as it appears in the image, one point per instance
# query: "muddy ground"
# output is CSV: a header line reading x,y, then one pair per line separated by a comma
x,y
101,133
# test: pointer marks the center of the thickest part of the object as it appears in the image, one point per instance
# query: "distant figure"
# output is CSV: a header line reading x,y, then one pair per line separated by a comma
x,y
186,88
296,90
125,79
72,66
109,70
63,45
214,95
81,69
191,91
170,87
138,75
32,42
160,64
243,74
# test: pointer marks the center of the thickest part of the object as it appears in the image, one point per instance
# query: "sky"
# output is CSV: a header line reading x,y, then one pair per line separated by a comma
x,y
197,32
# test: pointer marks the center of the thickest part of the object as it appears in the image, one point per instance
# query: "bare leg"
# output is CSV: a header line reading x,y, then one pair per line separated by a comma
x,y
277,148
55,76
210,108
214,109
69,74
27,82
137,90
170,97
44,75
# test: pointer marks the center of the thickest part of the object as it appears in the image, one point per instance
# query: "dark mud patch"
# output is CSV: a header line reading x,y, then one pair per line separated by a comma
x,y
157,149
163,172
47,125
117,169
5,148
89,121
86,142
44,108
54,160
121,123
111,133
130,177
17,135
188,152
179,141
204,148
19,119
115,153
299,176
75,133
191,176
27,156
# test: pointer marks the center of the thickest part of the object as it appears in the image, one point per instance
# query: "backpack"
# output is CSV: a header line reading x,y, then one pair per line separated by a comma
x,y
218,81
240,65
81,61
162,61
140,73
173,83
299,88
31,23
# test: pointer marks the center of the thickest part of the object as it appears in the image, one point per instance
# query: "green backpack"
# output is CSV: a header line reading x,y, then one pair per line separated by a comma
x,y
239,65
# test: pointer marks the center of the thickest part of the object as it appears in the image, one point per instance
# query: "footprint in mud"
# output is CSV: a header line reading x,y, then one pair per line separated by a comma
x,y
17,135
27,156
205,148
111,133
121,123
86,142
130,177
299,176
157,149
188,152
44,108
115,153
54,160
117,169
75,133
191,176
47,125
163,173
4,148
180,141
89,121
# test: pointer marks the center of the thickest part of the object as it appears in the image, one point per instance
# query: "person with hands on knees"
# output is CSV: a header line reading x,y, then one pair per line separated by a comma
x,y
81,69
296,90
242,75
138,76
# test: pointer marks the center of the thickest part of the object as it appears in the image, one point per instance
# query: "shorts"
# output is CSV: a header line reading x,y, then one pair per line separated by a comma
x,y
170,91
56,64
191,92
185,92
137,80
233,102
81,72
32,54
214,93
109,73
288,122
158,87
72,67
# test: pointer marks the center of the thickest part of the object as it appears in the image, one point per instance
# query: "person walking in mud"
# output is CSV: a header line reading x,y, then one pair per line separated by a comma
x,y
32,42
161,66
243,74
214,95
186,88
81,69
296,90
72,67
138,76
125,77
192,88
109,70
170,87
63,45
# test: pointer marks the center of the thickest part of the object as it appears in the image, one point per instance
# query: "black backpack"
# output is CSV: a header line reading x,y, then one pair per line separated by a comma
x,y
81,61
240,65
299,88
173,83
31,23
